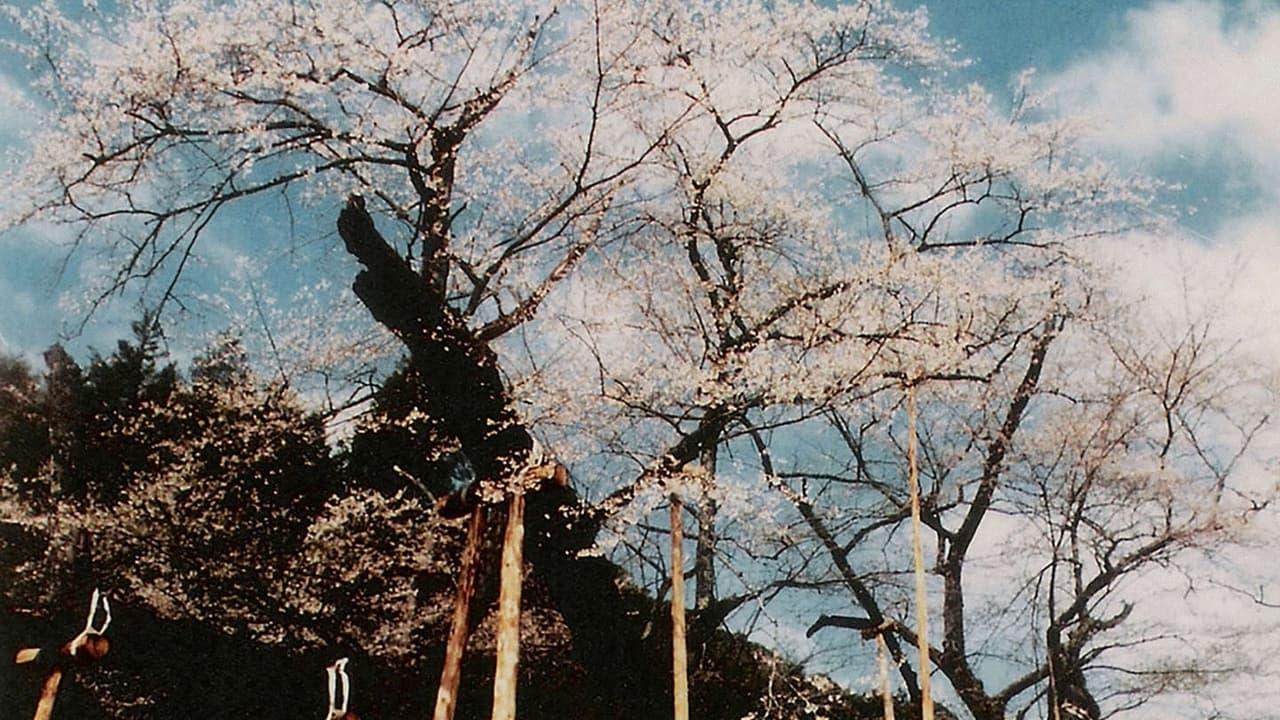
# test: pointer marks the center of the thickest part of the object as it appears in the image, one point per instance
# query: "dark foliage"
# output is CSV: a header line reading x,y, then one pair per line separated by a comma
x,y
595,646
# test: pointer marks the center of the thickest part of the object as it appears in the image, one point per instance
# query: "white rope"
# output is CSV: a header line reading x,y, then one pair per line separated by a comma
x,y
338,673
98,599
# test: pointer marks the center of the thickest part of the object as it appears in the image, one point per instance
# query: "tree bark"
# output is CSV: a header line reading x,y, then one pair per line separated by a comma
x,y
704,558
459,374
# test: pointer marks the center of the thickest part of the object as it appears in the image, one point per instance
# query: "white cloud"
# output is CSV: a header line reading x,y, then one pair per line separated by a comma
x,y
1199,82
1187,77
1229,281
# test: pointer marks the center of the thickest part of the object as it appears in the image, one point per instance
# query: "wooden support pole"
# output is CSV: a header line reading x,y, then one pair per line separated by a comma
x,y
90,646
917,551
459,629
505,671
85,649
882,660
679,651
48,693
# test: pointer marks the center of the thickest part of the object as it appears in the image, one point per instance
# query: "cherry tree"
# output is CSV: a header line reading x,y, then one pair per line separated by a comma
x,y
763,317
823,251
653,234
1057,494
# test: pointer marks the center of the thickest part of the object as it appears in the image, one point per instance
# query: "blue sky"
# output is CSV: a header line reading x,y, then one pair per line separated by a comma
x,y
1187,91
1002,38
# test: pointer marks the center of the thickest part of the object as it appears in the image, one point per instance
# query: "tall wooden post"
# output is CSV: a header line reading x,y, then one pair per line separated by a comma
x,y
505,671
679,651
917,551
451,675
883,661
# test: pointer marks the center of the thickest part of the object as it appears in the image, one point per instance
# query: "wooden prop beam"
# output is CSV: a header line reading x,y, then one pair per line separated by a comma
x,y
917,553
505,672
679,651
882,660
459,629
84,649
456,504
48,693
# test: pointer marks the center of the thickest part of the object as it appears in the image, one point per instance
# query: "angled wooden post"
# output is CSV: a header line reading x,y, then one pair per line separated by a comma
x,y
48,693
882,660
89,646
536,475
450,676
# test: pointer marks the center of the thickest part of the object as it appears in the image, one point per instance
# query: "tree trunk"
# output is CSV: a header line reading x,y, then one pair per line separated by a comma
x,y
1068,696
704,559
463,387
463,390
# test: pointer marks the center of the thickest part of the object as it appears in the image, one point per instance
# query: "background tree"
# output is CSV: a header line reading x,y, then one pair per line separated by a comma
x,y
229,517
24,439
150,452
237,563
1065,490
762,320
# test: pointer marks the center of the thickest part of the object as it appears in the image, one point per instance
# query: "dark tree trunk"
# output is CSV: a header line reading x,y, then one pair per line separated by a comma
x,y
704,558
1068,693
462,389
459,374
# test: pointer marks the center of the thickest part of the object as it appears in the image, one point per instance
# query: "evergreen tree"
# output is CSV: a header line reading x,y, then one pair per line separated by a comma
x,y
117,408
24,432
